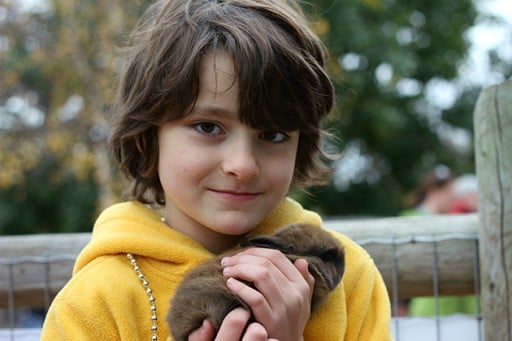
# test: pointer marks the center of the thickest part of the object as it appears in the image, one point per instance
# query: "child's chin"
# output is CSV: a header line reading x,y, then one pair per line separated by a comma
x,y
235,228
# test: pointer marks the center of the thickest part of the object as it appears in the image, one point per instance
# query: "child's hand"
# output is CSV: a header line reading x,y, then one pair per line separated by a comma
x,y
231,329
282,301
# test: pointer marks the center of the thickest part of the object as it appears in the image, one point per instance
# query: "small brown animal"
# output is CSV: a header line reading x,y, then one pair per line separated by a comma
x,y
203,294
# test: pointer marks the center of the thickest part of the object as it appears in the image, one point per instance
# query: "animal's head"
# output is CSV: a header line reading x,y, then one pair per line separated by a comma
x,y
323,252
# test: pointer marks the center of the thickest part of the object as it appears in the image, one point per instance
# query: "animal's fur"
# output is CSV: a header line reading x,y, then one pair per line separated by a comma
x,y
203,294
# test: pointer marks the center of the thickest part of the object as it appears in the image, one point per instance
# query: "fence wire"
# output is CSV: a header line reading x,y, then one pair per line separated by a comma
x,y
23,322
434,241
12,319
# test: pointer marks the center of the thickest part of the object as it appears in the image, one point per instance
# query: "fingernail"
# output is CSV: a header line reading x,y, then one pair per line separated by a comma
x,y
226,271
225,261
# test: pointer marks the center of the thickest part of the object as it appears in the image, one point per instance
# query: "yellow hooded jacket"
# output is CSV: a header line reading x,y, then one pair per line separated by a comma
x,y
105,299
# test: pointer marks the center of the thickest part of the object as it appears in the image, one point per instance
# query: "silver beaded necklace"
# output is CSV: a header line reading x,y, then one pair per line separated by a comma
x,y
154,327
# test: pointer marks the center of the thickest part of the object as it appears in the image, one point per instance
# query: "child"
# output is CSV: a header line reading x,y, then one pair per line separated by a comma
x,y
218,114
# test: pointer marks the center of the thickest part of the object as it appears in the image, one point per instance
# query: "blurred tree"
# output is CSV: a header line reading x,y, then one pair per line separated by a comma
x,y
393,62
61,203
59,63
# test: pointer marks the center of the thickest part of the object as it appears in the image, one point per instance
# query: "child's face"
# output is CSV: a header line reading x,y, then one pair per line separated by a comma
x,y
220,177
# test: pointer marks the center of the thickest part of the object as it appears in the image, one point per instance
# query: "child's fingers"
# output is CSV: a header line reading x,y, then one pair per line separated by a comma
x,y
233,325
205,333
259,304
264,257
250,268
303,267
255,332
282,293
268,280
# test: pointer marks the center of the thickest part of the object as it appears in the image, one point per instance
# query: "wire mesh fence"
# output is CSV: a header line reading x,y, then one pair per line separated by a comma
x,y
443,317
433,266
27,287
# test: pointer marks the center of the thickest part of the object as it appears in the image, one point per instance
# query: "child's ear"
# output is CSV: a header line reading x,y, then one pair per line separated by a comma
x,y
269,242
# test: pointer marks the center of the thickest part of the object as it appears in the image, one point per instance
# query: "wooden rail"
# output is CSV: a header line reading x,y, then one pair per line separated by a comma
x,y
413,252
402,246
33,268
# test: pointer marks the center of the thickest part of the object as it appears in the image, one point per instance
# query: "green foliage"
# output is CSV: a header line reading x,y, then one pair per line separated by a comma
x,y
384,55
48,202
58,66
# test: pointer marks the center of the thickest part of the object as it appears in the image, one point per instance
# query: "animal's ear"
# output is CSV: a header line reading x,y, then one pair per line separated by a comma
x,y
329,255
269,242
334,259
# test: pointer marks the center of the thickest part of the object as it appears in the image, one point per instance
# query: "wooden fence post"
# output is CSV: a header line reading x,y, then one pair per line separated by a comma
x,y
493,152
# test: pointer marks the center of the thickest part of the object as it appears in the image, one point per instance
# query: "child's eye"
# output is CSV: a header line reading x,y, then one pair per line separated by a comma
x,y
274,136
208,128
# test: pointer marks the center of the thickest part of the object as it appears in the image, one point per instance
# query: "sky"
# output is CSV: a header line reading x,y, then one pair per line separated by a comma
x,y
485,36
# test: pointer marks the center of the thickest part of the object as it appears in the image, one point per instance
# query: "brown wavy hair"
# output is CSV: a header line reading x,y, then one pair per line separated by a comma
x,y
279,62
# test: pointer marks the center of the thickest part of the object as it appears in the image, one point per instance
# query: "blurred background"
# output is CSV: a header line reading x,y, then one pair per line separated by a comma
x,y
407,76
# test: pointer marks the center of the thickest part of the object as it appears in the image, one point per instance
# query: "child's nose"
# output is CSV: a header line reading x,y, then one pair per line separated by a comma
x,y
240,160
